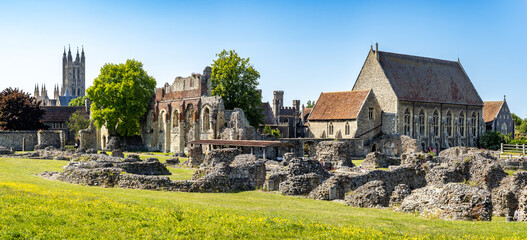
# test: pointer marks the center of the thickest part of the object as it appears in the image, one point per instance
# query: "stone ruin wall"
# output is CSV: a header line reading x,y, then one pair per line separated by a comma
x,y
15,139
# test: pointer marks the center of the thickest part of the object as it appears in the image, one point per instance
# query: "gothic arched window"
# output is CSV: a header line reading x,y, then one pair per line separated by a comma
x,y
406,125
436,123
205,119
175,118
347,129
462,123
330,129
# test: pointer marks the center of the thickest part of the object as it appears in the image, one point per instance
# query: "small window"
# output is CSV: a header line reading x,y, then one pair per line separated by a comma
x,y
347,129
330,129
462,124
370,113
407,122
436,123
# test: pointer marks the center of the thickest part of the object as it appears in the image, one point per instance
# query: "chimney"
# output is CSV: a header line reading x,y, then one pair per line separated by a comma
x,y
377,51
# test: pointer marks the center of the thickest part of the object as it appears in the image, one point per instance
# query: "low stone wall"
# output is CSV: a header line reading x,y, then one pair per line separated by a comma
x,y
27,140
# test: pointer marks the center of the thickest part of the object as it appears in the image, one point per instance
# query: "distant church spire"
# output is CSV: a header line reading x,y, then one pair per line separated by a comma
x,y
69,53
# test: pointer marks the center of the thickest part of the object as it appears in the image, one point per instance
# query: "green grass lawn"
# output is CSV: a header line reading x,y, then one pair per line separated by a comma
x,y
32,207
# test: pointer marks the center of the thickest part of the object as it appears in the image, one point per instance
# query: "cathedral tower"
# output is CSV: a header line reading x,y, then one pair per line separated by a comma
x,y
73,73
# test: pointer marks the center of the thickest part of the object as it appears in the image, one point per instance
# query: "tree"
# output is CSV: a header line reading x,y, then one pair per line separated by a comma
x,y
20,111
78,121
491,140
275,132
235,80
78,102
517,120
523,127
310,104
120,96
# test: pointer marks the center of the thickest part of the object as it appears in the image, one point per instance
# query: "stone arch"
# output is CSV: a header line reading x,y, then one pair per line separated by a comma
x,y
205,119
175,118
162,121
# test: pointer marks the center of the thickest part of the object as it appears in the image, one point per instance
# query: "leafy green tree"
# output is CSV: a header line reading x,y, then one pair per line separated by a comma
x,y
78,121
523,127
491,140
120,96
78,102
310,104
20,111
275,132
235,80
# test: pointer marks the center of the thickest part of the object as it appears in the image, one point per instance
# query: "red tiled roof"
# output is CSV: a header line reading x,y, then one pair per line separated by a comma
x,y
60,113
491,110
339,105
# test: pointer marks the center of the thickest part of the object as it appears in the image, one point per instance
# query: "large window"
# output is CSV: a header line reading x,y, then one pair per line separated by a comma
x,y
407,122
421,122
449,123
462,123
436,123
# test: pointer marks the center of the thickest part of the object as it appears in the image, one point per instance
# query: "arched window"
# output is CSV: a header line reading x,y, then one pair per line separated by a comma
x,y
347,129
407,122
449,123
205,119
504,128
330,129
462,123
436,123
175,119
162,121
421,122
474,124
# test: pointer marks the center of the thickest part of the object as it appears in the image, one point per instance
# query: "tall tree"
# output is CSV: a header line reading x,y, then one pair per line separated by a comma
x,y
78,102
78,121
20,111
235,80
120,96
310,104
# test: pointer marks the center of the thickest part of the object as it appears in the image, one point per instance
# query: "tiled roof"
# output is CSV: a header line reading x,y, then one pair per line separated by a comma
x,y
268,114
307,111
424,79
245,143
339,105
491,110
60,113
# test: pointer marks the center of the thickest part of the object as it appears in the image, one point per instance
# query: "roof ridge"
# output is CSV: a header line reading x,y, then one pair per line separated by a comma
x,y
365,90
415,56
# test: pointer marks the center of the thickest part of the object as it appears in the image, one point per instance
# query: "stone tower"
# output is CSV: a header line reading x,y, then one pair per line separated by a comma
x,y
73,73
278,102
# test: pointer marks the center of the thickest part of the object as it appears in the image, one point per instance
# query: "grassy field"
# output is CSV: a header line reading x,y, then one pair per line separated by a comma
x,y
32,207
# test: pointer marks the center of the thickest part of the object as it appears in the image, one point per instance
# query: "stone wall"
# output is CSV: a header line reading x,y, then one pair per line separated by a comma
x,y
88,138
16,139
319,129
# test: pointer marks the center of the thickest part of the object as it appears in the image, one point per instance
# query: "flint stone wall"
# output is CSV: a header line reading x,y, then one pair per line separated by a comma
x,y
43,138
379,160
395,145
334,153
453,201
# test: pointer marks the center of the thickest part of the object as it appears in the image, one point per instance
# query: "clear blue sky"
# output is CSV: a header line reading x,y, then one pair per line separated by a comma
x,y
301,47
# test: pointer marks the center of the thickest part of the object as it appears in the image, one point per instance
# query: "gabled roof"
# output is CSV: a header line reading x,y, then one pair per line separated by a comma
x,y
307,111
339,105
60,113
424,79
491,110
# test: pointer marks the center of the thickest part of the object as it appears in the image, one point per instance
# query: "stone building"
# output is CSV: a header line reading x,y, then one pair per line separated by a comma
x,y
351,114
73,81
286,119
57,117
185,111
497,117
428,99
